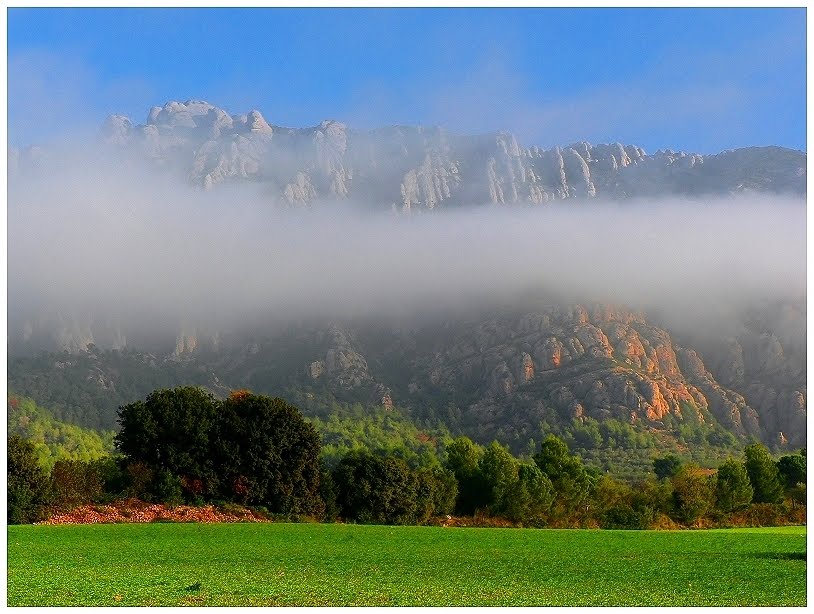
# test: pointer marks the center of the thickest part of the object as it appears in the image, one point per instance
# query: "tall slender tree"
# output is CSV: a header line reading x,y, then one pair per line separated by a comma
x,y
763,474
733,490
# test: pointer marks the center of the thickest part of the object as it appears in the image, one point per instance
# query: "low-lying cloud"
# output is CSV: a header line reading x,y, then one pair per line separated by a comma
x,y
138,249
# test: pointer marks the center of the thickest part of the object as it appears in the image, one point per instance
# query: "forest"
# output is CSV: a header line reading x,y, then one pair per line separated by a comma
x,y
183,445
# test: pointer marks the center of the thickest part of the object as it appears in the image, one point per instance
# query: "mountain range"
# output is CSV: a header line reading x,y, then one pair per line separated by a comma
x,y
417,168
506,372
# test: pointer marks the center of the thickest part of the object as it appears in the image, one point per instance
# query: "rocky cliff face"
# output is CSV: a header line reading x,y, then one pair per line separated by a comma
x,y
560,364
765,360
577,362
414,169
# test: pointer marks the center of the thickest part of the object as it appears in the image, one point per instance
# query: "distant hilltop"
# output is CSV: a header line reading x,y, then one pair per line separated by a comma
x,y
415,168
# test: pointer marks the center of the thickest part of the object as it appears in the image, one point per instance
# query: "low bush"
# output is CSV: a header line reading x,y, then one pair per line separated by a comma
x,y
760,515
625,517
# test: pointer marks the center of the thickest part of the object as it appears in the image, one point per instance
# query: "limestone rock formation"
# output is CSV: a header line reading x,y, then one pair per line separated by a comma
x,y
414,169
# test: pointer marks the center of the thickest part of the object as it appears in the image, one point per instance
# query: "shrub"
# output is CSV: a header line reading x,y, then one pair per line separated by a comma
x,y
74,482
625,517
27,485
167,488
138,478
662,522
759,515
113,477
234,509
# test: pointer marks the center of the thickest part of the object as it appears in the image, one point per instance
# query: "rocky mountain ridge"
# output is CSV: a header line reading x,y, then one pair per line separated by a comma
x,y
417,168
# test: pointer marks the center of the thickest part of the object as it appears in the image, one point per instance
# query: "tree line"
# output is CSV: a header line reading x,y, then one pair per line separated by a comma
x,y
183,445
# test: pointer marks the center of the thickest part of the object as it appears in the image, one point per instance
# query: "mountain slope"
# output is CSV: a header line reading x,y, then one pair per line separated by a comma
x,y
508,375
53,439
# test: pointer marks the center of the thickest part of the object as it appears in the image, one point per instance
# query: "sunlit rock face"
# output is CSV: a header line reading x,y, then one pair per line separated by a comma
x,y
415,168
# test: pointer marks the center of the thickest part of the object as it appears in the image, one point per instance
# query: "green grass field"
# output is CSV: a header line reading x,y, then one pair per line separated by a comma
x,y
312,564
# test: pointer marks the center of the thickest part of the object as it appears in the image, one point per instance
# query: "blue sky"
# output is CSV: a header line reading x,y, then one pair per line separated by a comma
x,y
694,79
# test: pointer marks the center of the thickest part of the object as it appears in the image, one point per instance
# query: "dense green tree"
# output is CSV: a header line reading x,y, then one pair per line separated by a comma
x,y
328,493
571,482
27,483
463,459
733,490
667,466
248,448
694,493
172,431
373,489
498,471
442,486
763,474
529,498
265,453
792,468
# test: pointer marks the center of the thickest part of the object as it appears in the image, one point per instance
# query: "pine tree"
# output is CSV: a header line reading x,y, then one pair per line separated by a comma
x,y
733,489
763,475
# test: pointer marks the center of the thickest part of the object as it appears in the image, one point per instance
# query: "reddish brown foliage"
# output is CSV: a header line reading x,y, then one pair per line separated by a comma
x,y
135,510
239,395
424,438
240,486
192,485
766,515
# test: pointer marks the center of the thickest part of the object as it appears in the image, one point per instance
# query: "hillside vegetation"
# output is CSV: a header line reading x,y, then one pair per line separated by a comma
x,y
53,439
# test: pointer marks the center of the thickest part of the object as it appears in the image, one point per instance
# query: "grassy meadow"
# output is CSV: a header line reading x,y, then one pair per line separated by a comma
x,y
334,565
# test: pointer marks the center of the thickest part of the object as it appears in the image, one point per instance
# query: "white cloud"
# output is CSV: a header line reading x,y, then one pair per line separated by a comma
x,y
99,239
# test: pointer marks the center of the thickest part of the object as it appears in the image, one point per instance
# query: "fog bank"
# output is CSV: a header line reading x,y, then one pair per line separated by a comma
x,y
135,247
